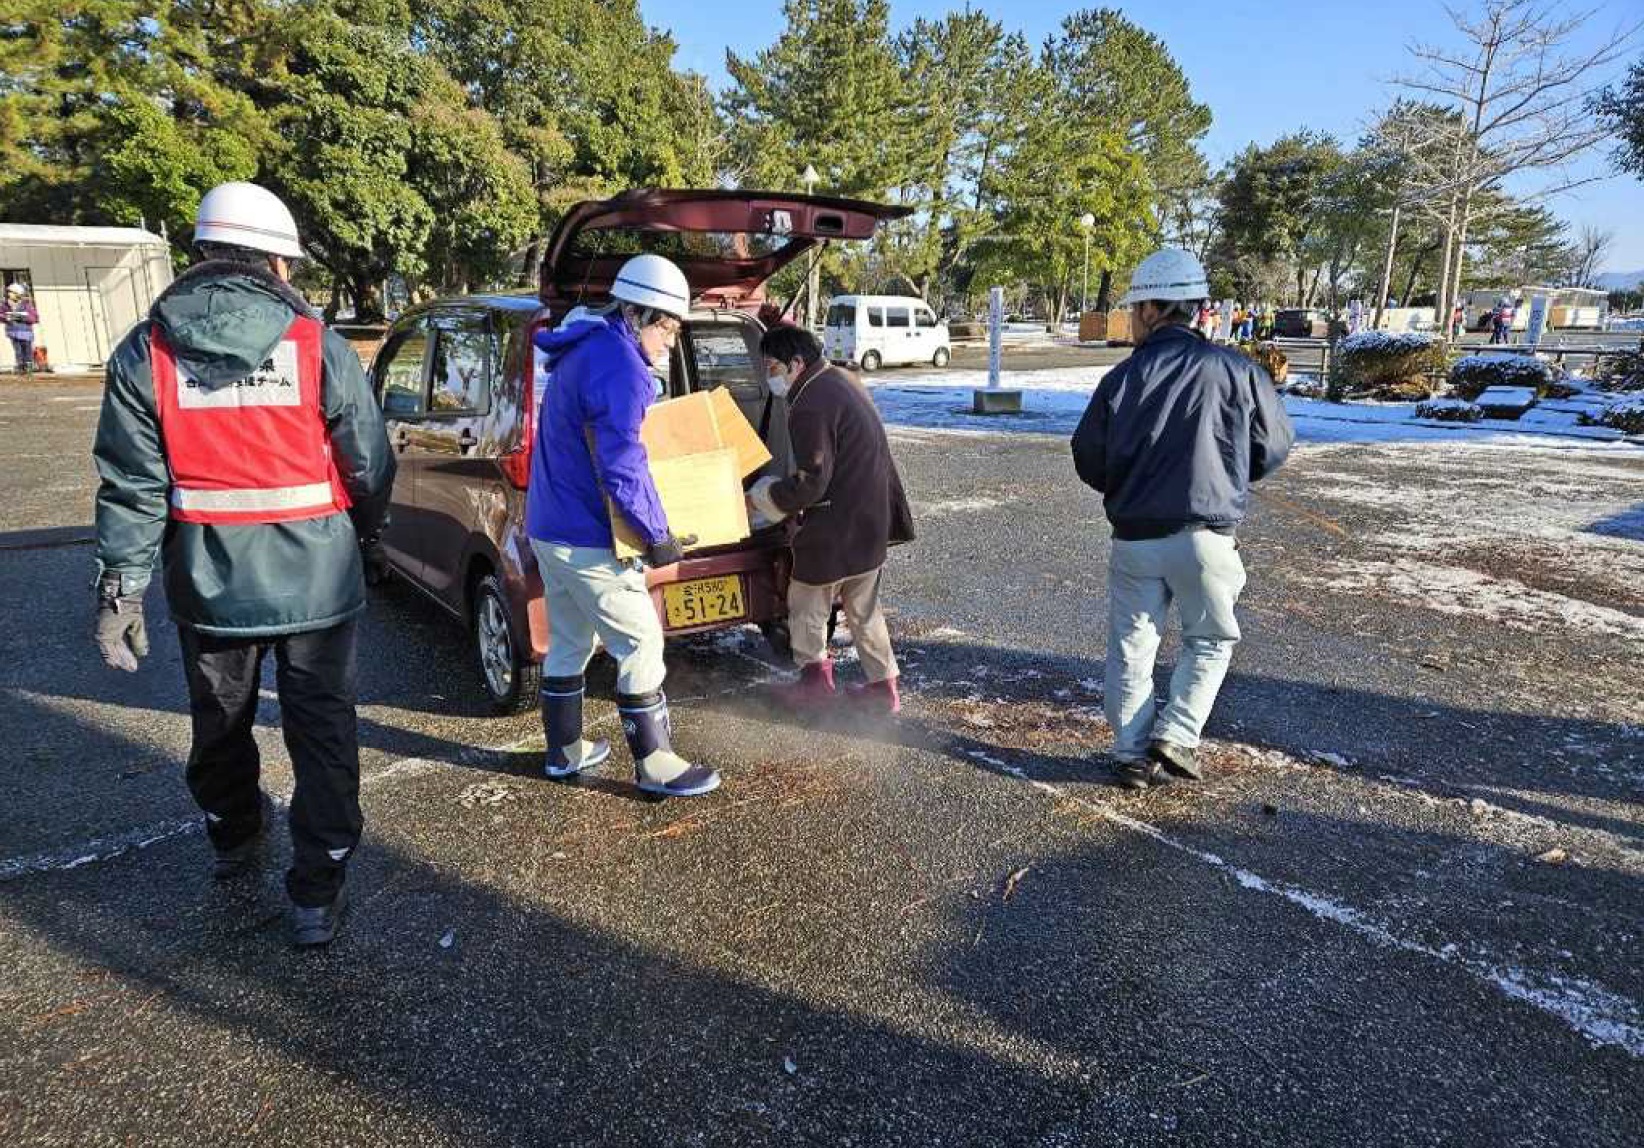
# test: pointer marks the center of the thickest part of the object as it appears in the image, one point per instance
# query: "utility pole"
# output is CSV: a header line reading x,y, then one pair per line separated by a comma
x,y
1387,271
1086,222
813,283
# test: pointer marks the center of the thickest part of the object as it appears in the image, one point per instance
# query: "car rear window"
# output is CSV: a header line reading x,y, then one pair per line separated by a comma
x,y
625,241
842,315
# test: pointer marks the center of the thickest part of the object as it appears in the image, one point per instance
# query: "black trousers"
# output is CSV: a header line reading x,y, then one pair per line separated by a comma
x,y
314,674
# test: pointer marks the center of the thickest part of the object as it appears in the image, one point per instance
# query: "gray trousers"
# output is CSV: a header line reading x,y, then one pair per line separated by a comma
x,y
1200,571
594,599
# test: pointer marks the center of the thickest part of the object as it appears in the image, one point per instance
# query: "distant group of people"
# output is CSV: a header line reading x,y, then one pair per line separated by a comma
x,y
1248,323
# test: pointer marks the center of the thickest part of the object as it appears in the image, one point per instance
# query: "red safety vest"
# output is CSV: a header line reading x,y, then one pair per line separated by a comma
x,y
254,450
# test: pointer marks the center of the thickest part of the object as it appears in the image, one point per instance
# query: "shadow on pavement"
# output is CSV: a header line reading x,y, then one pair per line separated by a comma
x,y
527,1028
1001,710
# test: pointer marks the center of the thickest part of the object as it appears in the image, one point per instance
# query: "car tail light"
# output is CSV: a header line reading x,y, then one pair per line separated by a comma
x,y
516,463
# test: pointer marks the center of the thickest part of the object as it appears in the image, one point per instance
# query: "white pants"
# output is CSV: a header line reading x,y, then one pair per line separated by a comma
x,y
1201,572
808,609
592,598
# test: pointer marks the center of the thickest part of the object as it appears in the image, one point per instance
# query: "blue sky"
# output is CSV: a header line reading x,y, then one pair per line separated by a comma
x,y
1264,69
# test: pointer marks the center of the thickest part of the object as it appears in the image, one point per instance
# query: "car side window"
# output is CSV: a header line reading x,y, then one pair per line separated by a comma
x,y
722,360
899,317
464,347
924,318
876,316
401,380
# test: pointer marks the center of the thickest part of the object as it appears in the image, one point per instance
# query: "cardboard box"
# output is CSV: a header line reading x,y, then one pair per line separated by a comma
x,y
700,449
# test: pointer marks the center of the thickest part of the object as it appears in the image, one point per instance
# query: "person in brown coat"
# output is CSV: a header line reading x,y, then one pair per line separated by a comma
x,y
851,508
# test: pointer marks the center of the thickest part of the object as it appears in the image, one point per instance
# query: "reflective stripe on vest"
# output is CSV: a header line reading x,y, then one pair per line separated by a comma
x,y
315,495
252,450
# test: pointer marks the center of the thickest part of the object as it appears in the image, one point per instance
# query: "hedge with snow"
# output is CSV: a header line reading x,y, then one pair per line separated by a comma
x,y
1472,375
1385,364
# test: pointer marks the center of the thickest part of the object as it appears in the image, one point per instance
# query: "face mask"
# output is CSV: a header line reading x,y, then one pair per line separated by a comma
x,y
778,384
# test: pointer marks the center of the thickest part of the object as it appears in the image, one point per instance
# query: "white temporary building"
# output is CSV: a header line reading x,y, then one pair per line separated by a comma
x,y
90,284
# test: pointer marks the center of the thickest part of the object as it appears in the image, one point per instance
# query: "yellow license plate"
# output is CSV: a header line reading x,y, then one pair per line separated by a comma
x,y
703,602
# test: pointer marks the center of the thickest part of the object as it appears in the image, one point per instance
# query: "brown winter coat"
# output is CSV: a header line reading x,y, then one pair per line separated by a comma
x,y
844,488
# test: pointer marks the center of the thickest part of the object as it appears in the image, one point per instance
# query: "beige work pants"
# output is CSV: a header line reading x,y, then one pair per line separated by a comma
x,y
808,609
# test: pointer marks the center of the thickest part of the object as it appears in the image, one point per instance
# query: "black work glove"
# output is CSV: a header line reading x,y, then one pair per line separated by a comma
x,y
375,560
121,636
670,550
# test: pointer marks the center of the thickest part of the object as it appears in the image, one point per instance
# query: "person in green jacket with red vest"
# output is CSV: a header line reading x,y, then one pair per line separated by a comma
x,y
240,445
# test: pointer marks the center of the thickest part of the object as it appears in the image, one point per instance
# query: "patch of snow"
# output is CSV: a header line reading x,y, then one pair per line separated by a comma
x,y
957,506
1467,593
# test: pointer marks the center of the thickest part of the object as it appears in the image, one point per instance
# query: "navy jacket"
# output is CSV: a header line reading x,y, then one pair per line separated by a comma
x,y
1175,435
599,387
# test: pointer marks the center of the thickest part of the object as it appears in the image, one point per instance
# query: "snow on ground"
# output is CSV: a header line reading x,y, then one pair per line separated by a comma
x,y
1467,593
1535,526
1053,400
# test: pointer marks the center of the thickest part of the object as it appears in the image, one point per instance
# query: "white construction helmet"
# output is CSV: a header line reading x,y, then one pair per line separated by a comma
x,y
245,215
16,289
654,282
1168,275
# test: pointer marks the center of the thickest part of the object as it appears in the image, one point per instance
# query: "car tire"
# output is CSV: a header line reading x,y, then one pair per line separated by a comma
x,y
509,678
871,362
940,359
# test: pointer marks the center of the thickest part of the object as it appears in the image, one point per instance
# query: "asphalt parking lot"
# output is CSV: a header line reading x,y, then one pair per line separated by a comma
x,y
1404,908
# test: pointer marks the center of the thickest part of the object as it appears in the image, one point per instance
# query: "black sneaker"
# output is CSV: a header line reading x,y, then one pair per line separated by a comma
x,y
1176,759
1138,774
248,854
318,925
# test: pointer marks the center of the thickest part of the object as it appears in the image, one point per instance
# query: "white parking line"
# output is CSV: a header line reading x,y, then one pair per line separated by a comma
x,y
100,849
1599,1015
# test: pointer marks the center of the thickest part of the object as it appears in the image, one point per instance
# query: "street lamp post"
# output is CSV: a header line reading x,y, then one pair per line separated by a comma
x,y
814,280
1086,222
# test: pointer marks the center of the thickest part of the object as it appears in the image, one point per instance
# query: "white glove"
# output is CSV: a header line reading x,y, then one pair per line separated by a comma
x,y
759,497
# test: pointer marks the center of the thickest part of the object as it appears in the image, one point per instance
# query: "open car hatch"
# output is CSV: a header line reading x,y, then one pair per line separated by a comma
x,y
728,243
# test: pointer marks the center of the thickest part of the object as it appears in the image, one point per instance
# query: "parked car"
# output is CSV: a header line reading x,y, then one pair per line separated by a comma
x,y
460,383
873,331
1300,324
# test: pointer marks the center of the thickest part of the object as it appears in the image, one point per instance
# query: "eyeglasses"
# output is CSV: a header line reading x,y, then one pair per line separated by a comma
x,y
670,326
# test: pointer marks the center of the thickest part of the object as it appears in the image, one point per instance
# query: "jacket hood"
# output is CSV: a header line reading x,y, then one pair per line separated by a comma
x,y
580,325
222,319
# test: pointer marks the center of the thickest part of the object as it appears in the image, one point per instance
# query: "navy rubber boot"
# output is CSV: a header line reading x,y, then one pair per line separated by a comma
x,y
568,754
657,768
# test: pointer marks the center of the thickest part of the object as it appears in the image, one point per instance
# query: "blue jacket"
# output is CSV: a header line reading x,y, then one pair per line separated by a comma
x,y
597,381
1175,435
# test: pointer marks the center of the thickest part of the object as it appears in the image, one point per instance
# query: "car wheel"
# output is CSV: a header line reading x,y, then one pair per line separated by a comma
x,y
940,359
871,361
510,680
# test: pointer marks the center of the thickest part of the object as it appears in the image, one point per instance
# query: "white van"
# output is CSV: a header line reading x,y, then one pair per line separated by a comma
x,y
873,331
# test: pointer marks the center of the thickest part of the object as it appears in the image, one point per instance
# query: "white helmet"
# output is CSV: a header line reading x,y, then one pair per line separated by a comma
x,y
1168,275
16,289
654,282
245,215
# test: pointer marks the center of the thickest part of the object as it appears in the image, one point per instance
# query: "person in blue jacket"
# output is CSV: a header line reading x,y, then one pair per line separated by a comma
x,y
588,449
